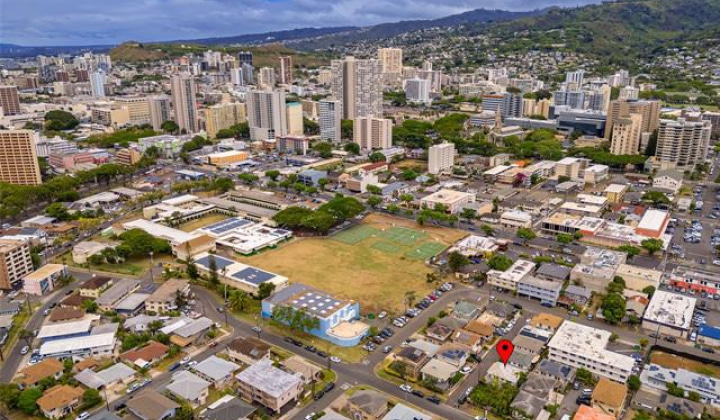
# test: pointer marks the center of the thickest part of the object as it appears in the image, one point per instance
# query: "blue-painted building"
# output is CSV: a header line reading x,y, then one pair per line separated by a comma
x,y
337,317
310,177
708,335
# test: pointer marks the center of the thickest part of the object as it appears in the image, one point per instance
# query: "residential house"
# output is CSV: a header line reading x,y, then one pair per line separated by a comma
x,y
59,401
453,354
546,321
440,372
438,333
402,412
609,397
216,370
585,412
367,404
66,314
33,374
94,287
146,356
116,374
466,310
483,330
151,405
309,371
528,345
563,374
668,180
467,339
189,387
653,402
413,359
192,332
228,407
247,350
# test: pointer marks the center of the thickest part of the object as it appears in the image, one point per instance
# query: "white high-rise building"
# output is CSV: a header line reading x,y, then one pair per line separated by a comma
x,y
267,77
159,110
267,115
441,157
372,133
629,93
236,76
184,106
98,79
417,91
357,84
286,70
575,78
683,142
330,120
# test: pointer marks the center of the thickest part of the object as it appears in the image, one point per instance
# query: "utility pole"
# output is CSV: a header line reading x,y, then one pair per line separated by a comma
x,y
152,266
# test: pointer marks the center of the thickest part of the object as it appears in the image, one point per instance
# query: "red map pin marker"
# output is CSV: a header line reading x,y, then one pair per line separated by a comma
x,y
505,349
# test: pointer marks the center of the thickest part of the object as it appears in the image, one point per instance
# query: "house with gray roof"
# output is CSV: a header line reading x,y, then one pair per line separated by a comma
x,y
216,370
269,386
191,332
115,374
228,407
367,404
189,387
403,412
466,310
554,370
554,272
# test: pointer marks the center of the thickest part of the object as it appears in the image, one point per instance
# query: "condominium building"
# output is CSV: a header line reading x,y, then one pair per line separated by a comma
x,y
581,346
330,120
391,60
295,125
510,278
267,77
138,109
159,107
533,107
286,70
269,386
222,116
417,91
509,104
441,157
267,116
649,110
357,84
98,79
110,115
9,100
626,135
296,145
128,156
372,133
15,263
683,142
18,158
165,297
546,291
183,91
714,118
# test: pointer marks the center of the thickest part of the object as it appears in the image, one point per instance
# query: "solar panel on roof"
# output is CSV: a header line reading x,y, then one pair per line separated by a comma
x,y
253,275
227,225
220,262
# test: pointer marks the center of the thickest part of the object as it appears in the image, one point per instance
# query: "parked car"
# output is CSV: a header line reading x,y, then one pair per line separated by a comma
x,y
406,388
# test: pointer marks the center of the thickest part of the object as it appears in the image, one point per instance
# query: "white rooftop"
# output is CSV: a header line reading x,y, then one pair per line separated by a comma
x,y
670,309
175,236
653,220
267,378
588,342
65,328
77,343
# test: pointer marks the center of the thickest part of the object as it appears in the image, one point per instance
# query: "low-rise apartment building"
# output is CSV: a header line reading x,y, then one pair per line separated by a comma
x,y
669,314
163,299
269,386
581,346
546,291
510,278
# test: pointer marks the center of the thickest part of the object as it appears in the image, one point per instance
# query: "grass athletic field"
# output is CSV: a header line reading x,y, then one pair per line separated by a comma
x,y
374,263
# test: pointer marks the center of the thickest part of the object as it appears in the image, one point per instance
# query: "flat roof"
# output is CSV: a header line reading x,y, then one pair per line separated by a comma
x,y
497,170
237,271
65,328
265,377
175,236
653,220
45,271
77,343
670,309
447,196
117,290
615,188
182,199
132,302
226,225
588,342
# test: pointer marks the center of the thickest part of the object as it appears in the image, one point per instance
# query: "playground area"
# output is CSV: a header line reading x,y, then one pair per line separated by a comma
x,y
374,263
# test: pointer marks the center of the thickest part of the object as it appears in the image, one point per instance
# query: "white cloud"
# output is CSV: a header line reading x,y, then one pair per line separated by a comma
x,y
93,22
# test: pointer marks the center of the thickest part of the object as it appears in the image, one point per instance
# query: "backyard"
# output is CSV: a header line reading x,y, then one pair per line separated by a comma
x,y
375,263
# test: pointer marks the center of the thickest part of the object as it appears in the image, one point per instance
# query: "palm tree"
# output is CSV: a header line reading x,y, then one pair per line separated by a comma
x,y
239,300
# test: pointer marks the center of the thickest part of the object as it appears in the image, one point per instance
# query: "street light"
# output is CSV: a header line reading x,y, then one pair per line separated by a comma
x,y
152,266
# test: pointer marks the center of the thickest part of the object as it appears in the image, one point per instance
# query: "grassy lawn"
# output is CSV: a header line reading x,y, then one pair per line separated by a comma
x,y
19,322
202,222
135,266
364,266
419,166
672,361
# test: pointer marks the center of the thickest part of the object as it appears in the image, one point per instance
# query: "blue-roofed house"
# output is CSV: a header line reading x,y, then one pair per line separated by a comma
x,y
709,335
337,317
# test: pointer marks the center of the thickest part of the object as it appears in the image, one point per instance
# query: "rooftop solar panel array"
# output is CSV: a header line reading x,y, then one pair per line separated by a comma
x,y
220,262
227,225
316,304
253,275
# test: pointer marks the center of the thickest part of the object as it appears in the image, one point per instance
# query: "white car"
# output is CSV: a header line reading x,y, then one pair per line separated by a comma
x,y
83,415
406,388
335,359
382,315
185,359
25,350
466,369
310,416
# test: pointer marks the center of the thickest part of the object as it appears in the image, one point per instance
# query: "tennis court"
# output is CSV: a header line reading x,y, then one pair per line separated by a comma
x,y
385,247
402,236
355,234
425,251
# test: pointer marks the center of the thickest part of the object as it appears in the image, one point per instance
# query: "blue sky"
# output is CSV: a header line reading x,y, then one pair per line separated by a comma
x,y
93,22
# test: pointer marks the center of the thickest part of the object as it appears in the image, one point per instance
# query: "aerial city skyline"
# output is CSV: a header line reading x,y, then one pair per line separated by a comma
x,y
508,212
